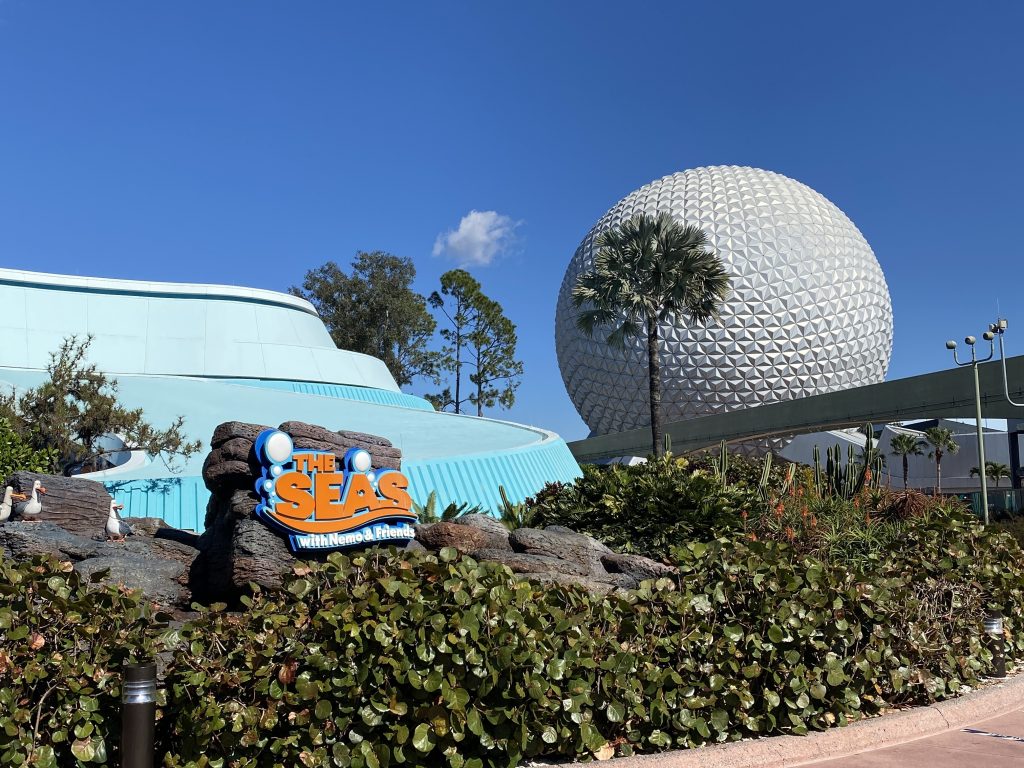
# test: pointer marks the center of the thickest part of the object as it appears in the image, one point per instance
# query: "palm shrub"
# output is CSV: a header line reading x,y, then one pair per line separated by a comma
x,y
646,271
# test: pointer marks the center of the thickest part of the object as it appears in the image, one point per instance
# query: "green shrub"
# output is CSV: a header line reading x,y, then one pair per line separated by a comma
x,y
16,454
386,658
648,508
62,645
377,660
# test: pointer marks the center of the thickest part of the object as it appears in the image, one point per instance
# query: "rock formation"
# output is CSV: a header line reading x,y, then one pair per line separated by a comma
x,y
236,549
71,527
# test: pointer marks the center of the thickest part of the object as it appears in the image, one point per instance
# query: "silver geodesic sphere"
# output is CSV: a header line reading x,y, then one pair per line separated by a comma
x,y
809,310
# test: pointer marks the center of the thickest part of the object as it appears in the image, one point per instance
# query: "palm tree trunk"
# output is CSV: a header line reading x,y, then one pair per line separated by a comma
x,y
906,470
654,378
938,476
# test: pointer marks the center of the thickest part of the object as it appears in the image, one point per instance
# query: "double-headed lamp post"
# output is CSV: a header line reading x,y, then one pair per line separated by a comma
x,y
974,362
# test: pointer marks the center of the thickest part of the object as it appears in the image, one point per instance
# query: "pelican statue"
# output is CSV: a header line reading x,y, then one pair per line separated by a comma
x,y
32,506
116,528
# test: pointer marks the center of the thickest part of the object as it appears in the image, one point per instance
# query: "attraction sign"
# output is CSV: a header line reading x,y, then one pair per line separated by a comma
x,y
325,502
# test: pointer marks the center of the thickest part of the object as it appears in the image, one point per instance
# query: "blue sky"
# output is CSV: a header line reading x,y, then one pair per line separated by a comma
x,y
246,142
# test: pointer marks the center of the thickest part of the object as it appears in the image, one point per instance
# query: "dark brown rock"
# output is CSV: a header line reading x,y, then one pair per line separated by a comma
x,y
519,562
563,579
313,437
561,544
493,527
76,505
243,503
159,580
436,536
221,474
232,429
258,555
156,565
24,540
238,449
637,566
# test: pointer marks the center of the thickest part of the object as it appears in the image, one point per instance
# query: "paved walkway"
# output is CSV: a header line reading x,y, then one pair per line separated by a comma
x,y
994,743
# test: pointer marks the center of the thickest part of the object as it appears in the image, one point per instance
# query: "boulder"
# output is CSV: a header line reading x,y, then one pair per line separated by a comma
x,y
637,566
226,475
563,544
161,581
258,555
563,579
519,562
157,565
76,505
384,454
489,525
437,536
235,549
23,541
233,429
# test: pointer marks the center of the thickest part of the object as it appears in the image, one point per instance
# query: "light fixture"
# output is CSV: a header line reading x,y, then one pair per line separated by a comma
x,y
994,629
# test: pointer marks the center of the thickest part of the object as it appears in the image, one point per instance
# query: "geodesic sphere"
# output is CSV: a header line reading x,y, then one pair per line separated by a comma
x,y
809,311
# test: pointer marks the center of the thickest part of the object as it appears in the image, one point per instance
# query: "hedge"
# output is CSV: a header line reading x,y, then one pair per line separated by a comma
x,y
386,658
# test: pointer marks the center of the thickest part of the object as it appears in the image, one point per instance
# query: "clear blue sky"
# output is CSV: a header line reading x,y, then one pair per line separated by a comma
x,y
245,142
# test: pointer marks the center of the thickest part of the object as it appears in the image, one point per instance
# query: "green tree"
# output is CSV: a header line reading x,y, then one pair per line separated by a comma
x,y
942,442
648,270
906,445
478,337
458,300
374,310
492,354
994,471
77,405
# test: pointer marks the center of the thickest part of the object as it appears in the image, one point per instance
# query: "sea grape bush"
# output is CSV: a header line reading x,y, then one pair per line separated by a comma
x,y
387,658
63,643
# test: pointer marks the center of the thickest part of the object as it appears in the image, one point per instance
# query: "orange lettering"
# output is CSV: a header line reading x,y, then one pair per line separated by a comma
x,y
328,496
359,495
393,487
295,500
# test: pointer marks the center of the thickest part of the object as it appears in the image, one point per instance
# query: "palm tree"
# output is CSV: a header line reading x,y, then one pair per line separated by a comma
x,y
907,445
942,442
648,270
994,471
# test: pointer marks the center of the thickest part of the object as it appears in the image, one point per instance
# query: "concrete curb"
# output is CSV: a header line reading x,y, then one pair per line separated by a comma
x,y
876,733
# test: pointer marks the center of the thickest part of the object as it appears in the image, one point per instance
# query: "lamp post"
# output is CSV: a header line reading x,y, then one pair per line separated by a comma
x,y
974,362
999,328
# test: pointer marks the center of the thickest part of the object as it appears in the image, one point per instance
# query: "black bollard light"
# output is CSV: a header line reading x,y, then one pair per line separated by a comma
x,y
994,629
138,715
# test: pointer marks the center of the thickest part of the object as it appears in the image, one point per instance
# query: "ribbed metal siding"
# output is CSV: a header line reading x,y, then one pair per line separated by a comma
x,y
181,501
345,392
476,479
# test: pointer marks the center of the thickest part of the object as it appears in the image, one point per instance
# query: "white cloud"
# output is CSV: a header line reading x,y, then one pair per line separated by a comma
x,y
481,237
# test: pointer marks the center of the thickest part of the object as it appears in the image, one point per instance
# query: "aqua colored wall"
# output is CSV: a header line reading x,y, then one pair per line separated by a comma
x,y
172,329
219,353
